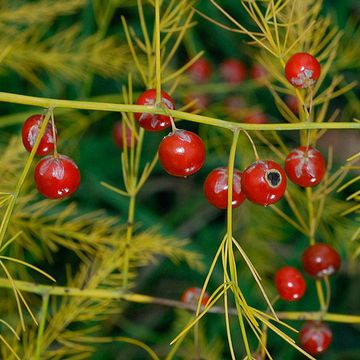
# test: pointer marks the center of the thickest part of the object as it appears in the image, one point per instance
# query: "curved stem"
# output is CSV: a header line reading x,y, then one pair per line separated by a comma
x,y
113,107
253,145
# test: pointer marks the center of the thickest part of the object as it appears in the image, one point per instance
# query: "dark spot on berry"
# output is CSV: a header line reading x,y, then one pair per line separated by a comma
x,y
273,177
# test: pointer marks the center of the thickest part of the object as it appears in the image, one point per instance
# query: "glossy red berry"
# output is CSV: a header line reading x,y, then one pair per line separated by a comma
x,y
192,295
293,103
320,260
290,283
256,117
153,122
315,337
182,153
30,132
200,71
216,188
56,176
119,138
305,166
302,70
232,71
264,182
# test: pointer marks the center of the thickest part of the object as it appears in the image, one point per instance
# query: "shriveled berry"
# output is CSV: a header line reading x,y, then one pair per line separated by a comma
x,y
153,122
216,188
30,132
321,260
191,296
264,182
305,166
290,283
56,177
182,153
315,337
302,70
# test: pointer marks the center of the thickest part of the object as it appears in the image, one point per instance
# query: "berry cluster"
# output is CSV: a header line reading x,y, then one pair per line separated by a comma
x,y
182,153
56,176
318,261
231,71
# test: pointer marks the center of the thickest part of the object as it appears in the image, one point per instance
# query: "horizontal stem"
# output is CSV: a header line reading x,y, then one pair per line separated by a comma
x,y
102,106
319,315
145,299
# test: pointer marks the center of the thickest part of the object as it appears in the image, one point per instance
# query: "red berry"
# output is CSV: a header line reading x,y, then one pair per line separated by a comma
x,y
290,283
232,71
302,70
256,117
182,153
293,103
258,72
305,166
321,260
200,71
30,132
118,135
216,188
315,337
264,182
192,295
153,122
56,176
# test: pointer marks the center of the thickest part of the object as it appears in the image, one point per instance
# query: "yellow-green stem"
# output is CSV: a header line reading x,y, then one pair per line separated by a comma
x,y
319,289
157,52
113,107
129,233
231,258
145,299
44,309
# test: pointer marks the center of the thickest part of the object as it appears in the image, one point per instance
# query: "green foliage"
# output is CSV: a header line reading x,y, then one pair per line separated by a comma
x,y
103,260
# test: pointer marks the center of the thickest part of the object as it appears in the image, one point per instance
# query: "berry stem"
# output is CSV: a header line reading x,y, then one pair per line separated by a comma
x,y
321,296
328,292
54,133
253,145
